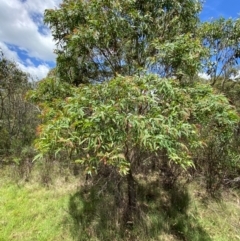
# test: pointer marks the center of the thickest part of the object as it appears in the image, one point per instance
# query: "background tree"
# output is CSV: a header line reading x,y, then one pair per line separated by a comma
x,y
221,63
18,118
221,40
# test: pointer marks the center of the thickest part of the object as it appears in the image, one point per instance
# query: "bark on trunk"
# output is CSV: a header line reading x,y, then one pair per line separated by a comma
x,y
131,196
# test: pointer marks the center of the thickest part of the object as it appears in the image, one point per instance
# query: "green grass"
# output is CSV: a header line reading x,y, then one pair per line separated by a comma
x,y
32,212
220,218
61,212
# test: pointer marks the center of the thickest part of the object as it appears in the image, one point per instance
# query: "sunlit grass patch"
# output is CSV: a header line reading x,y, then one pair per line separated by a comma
x,y
220,218
32,212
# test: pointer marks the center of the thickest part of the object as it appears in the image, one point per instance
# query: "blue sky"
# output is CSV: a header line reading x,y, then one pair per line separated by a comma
x,y
24,38
220,8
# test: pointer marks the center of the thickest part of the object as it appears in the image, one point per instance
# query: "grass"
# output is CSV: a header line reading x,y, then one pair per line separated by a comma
x,y
220,218
30,211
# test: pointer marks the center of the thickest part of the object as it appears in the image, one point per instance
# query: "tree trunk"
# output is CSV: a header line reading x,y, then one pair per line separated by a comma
x,y
131,197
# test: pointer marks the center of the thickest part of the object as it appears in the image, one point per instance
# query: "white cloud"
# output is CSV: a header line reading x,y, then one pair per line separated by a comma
x,y
40,5
204,76
37,72
11,55
19,26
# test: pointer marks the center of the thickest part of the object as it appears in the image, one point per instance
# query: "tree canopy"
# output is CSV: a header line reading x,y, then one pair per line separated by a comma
x,y
109,122
99,39
221,39
149,54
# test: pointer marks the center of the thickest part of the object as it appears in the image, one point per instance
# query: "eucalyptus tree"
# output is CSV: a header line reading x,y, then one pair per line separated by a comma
x,y
111,124
122,87
221,39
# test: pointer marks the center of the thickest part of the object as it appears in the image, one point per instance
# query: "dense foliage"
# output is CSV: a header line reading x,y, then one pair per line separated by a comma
x,y
107,123
17,116
99,39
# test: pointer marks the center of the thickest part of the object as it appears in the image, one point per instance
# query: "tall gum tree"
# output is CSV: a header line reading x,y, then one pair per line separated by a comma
x,y
114,96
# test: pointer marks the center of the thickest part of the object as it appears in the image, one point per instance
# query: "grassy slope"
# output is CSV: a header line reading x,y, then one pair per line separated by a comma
x,y
32,212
